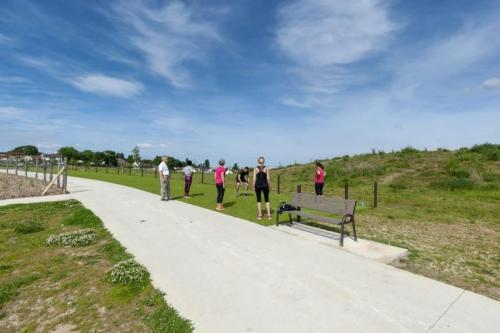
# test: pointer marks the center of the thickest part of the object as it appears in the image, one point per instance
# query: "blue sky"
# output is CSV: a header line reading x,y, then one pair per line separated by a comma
x,y
290,80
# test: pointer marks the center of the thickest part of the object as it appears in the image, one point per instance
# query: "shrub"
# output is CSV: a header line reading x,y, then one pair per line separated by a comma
x,y
459,173
454,184
409,150
28,226
128,272
74,238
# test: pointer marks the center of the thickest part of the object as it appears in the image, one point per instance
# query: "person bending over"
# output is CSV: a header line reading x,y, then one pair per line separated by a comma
x,y
241,180
261,184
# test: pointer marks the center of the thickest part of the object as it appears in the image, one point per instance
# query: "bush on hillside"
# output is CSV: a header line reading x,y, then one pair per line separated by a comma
x,y
454,183
408,150
488,150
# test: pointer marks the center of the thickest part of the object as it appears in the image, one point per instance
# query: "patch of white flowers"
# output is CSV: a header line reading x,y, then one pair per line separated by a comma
x,y
74,238
128,272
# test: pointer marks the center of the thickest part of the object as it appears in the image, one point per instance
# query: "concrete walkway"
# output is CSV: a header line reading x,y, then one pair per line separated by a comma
x,y
229,275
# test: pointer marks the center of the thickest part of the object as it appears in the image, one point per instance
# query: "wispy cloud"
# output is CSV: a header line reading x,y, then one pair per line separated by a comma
x,y
322,38
4,40
145,145
107,85
168,36
326,32
491,83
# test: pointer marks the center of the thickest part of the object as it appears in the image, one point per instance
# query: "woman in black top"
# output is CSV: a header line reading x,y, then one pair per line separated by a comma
x,y
261,184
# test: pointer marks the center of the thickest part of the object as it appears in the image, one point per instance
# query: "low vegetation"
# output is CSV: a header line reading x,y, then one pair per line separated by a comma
x,y
441,205
65,288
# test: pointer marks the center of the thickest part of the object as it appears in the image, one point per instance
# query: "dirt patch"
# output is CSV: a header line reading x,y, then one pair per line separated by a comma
x,y
12,186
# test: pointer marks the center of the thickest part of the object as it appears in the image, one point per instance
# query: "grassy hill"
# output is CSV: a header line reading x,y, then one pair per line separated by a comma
x,y
444,206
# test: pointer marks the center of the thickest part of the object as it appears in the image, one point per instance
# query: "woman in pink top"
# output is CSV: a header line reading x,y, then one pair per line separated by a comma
x,y
220,183
319,179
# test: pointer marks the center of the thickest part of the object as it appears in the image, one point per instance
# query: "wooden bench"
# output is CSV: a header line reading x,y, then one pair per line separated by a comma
x,y
342,208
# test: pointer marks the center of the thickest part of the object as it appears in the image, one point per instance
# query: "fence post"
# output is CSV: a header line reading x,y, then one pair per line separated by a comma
x,y
25,167
58,177
375,195
299,190
346,190
36,169
7,166
130,171
51,168
117,170
202,176
45,171
142,172
279,180
107,168
65,177
96,169
17,162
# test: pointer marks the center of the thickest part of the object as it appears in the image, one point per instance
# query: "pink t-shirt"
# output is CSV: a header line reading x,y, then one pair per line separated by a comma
x,y
219,171
320,176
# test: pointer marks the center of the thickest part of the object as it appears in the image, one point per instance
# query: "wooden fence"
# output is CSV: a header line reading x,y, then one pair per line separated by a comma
x,y
52,171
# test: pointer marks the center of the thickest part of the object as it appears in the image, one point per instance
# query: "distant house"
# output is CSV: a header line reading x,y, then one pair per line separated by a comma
x,y
121,161
136,164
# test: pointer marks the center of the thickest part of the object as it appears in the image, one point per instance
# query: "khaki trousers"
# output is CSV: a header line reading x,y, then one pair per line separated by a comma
x,y
165,188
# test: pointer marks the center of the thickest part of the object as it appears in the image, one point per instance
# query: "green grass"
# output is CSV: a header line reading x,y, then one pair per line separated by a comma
x,y
45,287
443,205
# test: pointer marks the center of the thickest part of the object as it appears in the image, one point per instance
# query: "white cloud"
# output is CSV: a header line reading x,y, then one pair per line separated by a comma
x,y
326,32
4,40
294,103
168,37
107,85
492,83
11,112
145,145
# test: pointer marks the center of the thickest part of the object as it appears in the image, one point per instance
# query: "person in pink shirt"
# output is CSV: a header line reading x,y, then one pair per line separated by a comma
x,y
220,183
319,179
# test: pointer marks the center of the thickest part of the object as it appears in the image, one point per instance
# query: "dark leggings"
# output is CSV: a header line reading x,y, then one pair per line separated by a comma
x,y
220,193
187,184
258,192
318,187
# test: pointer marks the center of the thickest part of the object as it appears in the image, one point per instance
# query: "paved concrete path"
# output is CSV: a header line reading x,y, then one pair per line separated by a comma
x,y
229,275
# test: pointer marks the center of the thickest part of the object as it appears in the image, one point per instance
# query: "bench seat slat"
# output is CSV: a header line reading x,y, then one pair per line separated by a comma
x,y
325,204
325,219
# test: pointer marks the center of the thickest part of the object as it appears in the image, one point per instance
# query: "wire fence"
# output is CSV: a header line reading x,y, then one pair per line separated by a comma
x,y
52,171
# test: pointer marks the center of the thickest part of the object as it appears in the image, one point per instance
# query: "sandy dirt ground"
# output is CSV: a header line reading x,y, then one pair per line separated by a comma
x,y
12,186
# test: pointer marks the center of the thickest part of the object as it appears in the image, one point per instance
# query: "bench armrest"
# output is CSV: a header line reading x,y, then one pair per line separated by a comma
x,y
347,218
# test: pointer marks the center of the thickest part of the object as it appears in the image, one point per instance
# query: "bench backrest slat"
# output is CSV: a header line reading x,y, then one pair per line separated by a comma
x,y
326,204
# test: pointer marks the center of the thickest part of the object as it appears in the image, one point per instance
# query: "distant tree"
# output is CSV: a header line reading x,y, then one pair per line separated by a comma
x,y
69,152
120,155
87,156
99,157
207,164
156,160
27,150
130,159
110,158
235,167
136,154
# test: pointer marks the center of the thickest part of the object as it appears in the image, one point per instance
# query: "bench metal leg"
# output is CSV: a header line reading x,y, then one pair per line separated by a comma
x,y
342,234
290,219
278,213
354,230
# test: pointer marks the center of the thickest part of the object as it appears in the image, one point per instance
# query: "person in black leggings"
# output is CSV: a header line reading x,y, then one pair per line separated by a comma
x,y
261,182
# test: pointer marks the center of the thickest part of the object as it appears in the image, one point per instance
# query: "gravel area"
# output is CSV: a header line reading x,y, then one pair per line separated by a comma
x,y
12,186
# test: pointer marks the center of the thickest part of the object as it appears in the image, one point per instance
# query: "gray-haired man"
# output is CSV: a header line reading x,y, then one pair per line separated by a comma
x,y
164,179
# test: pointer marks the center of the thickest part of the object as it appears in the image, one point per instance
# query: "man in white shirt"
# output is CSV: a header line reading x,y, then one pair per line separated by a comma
x,y
164,179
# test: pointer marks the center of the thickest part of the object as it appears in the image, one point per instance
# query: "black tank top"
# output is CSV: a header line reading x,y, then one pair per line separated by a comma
x,y
261,178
